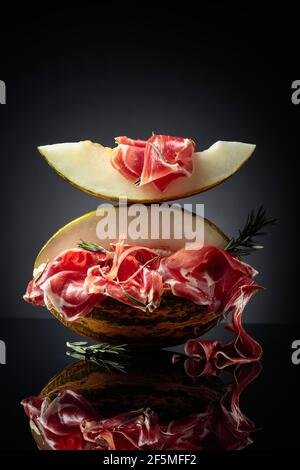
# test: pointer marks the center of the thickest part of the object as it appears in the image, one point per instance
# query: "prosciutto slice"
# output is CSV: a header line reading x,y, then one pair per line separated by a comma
x,y
132,278
60,284
128,157
166,159
159,160
243,348
76,281
212,277
206,276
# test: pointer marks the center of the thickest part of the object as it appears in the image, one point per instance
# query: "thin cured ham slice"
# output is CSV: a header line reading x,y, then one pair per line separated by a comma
x,y
128,157
60,284
67,294
215,278
132,278
77,280
123,140
34,294
243,348
166,159
206,276
159,160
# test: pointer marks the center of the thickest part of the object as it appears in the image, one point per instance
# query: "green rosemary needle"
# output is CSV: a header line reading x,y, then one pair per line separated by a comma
x,y
91,246
98,353
245,243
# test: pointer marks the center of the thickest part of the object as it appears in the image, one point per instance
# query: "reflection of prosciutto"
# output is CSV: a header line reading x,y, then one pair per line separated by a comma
x,y
160,160
222,426
70,422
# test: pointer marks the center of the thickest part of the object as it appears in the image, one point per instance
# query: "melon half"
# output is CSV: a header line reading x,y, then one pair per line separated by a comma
x,y
175,321
86,165
165,388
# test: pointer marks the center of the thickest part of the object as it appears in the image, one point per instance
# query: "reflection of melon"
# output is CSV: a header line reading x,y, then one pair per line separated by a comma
x,y
175,321
165,388
87,166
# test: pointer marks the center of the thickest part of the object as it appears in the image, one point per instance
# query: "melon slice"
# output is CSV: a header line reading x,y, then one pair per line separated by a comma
x,y
175,321
86,165
85,228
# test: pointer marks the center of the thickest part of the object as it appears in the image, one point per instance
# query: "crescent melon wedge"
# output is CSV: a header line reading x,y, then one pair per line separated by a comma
x,y
86,165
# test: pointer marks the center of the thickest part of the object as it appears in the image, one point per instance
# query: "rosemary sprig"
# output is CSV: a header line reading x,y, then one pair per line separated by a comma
x,y
83,347
134,300
244,244
91,246
98,353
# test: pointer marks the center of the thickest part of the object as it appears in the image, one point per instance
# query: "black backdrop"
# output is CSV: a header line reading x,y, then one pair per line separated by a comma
x,y
87,72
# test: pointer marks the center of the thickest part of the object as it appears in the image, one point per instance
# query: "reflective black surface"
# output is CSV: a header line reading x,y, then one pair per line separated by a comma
x,y
76,73
36,352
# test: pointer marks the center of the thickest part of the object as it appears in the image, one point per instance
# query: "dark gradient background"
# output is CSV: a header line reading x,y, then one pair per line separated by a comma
x,y
85,73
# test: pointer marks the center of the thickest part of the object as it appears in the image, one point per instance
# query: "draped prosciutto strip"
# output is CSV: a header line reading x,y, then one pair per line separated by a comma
x,y
241,350
70,422
159,160
213,277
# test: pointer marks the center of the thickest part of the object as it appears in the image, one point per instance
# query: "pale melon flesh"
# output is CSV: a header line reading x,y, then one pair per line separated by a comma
x,y
85,227
87,166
